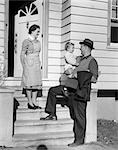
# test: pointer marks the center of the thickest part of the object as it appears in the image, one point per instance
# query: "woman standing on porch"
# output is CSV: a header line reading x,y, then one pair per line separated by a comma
x,y
31,77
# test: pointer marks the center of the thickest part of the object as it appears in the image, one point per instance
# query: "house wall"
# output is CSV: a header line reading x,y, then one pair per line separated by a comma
x,y
89,19
2,32
54,41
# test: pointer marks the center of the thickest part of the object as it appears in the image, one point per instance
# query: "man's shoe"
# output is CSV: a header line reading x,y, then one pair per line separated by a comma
x,y
49,117
74,144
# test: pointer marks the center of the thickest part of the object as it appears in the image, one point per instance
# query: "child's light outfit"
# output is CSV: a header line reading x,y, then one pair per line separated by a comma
x,y
70,59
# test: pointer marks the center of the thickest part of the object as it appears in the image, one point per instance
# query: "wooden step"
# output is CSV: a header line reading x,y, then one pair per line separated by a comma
x,y
58,140
39,126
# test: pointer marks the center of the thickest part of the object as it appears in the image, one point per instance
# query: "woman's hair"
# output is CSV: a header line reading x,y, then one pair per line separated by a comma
x,y
33,28
68,44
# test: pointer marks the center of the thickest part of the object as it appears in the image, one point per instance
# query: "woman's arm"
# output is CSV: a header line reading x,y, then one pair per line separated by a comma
x,y
23,51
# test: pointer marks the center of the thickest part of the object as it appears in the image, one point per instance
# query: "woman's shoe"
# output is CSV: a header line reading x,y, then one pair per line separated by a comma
x,y
37,107
30,107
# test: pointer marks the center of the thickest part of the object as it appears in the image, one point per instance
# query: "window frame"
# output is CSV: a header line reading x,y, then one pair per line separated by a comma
x,y
109,43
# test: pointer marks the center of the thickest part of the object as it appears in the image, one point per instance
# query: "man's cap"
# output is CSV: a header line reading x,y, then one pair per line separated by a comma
x,y
87,42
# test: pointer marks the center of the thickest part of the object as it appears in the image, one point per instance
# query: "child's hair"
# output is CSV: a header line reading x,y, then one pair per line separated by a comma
x,y
42,147
68,44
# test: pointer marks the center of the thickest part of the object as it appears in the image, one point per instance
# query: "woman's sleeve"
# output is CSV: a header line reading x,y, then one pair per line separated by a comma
x,y
23,51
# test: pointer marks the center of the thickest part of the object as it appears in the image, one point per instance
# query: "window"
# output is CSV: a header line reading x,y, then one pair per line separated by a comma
x,y
29,9
113,22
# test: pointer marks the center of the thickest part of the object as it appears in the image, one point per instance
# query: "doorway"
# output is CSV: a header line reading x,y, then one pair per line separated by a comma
x,y
22,14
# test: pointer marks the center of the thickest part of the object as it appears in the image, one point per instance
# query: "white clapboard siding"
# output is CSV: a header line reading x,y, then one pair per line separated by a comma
x,y
66,29
55,30
55,61
54,46
63,1
2,1
54,23
1,42
107,61
89,28
66,37
55,1
54,76
66,21
2,17
2,26
55,69
108,69
89,12
1,33
66,13
108,54
54,38
88,20
89,4
2,8
92,36
108,77
54,14
55,53
66,4
107,85
55,7
1,50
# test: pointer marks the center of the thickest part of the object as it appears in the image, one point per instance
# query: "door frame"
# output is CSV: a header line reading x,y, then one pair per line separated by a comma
x,y
44,36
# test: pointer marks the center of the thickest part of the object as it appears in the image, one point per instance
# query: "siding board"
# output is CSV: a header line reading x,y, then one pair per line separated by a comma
x,y
54,38
56,31
88,20
2,17
55,7
89,4
2,2
88,28
54,14
54,23
92,36
89,12
2,8
107,61
1,42
55,1
2,25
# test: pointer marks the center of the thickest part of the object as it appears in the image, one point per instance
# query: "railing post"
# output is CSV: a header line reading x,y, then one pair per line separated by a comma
x,y
6,116
91,126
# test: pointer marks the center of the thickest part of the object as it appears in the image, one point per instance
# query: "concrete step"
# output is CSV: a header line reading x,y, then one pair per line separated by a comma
x,y
22,101
28,114
63,138
39,126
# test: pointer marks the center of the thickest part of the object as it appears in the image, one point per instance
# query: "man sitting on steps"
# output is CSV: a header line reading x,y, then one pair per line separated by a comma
x,y
87,63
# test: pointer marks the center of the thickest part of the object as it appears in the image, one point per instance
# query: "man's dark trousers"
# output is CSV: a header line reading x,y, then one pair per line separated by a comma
x,y
52,100
78,114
